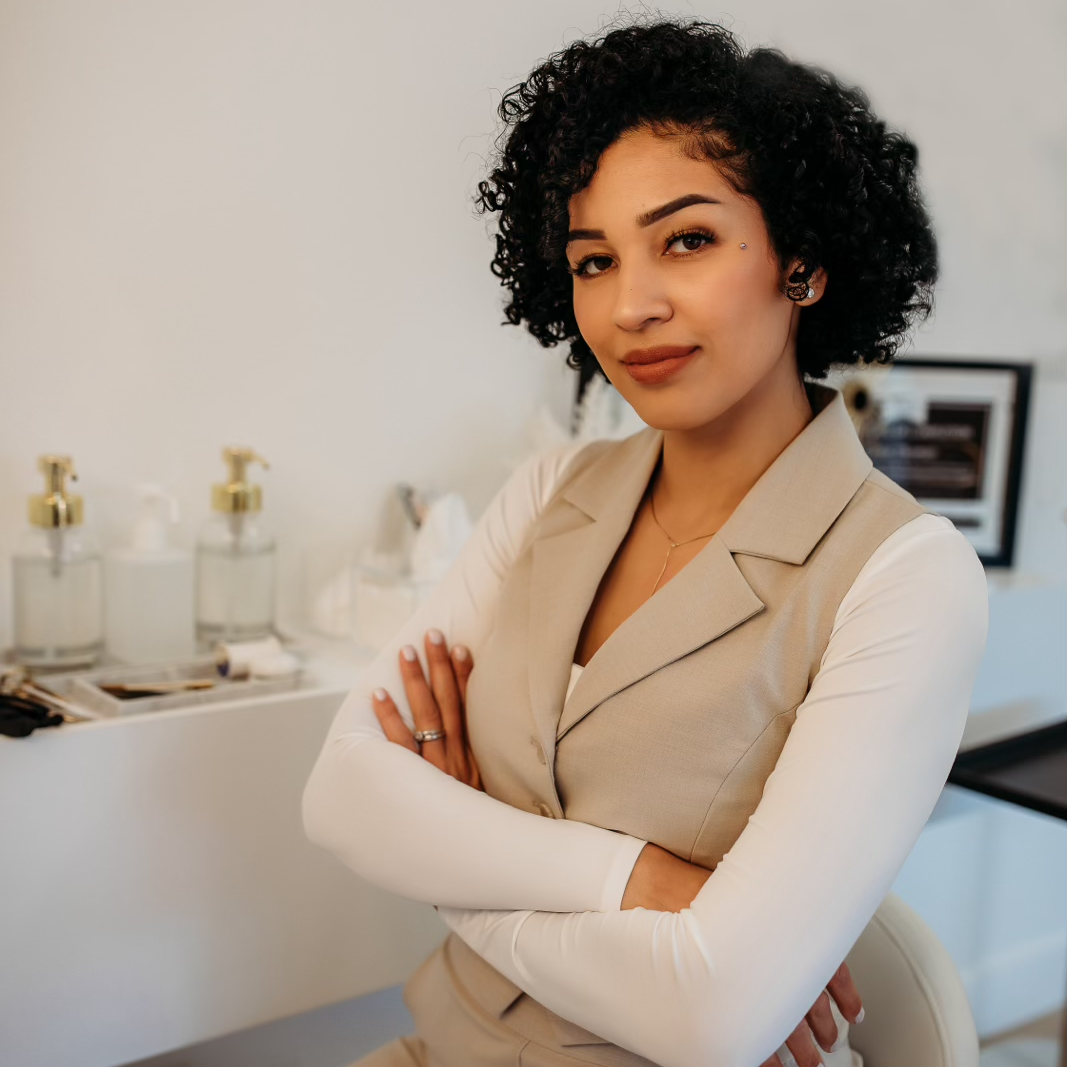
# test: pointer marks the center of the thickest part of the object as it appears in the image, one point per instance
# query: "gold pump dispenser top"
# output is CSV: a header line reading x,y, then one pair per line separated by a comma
x,y
56,507
238,494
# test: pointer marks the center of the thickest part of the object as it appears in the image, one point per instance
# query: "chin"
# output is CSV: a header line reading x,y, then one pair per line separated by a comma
x,y
669,416
678,407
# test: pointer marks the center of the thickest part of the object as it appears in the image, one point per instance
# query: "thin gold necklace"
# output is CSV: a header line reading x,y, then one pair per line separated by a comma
x,y
674,544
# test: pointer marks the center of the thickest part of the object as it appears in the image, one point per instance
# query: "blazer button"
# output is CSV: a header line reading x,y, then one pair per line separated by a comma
x,y
545,810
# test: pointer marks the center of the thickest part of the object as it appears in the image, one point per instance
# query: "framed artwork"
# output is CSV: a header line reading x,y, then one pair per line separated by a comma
x,y
951,432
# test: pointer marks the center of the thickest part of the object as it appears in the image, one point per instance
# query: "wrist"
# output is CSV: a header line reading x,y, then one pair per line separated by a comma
x,y
660,881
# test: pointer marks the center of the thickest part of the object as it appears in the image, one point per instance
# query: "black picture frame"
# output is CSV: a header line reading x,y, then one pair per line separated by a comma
x,y
1010,439
979,474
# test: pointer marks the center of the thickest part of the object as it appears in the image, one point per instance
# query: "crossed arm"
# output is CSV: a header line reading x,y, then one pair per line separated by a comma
x,y
724,980
401,824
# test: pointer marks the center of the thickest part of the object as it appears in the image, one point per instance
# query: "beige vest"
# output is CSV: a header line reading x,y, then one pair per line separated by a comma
x,y
678,719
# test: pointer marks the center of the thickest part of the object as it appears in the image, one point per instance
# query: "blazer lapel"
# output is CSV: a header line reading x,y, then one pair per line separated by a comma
x,y
589,523
782,517
704,601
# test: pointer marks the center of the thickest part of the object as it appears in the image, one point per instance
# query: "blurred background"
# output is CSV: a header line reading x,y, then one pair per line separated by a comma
x,y
251,222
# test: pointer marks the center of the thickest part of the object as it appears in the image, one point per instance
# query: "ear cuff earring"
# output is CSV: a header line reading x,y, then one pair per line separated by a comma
x,y
799,290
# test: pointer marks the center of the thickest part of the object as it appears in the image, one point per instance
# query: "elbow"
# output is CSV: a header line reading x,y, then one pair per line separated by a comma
x,y
334,797
323,802
314,807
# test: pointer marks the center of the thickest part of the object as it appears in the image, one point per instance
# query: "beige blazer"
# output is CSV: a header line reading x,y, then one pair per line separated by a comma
x,y
678,719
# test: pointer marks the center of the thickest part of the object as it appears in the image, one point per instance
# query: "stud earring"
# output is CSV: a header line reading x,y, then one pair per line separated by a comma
x,y
811,292
743,245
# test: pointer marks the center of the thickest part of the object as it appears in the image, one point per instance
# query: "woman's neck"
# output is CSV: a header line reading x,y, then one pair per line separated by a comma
x,y
704,473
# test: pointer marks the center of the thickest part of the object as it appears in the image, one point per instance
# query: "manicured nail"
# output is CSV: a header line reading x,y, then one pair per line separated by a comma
x,y
460,652
380,694
859,1018
436,637
409,653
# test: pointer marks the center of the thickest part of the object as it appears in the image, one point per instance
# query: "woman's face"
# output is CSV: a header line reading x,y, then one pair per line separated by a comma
x,y
668,254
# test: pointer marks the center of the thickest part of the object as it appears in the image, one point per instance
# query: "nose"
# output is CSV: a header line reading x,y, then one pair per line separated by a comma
x,y
640,299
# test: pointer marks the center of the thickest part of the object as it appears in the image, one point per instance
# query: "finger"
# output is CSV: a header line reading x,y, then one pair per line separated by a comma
x,y
446,694
821,1021
396,730
476,774
424,708
446,689
801,1044
845,994
463,665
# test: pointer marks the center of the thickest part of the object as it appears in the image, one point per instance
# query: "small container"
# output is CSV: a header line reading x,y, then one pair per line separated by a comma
x,y
57,578
148,589
235,561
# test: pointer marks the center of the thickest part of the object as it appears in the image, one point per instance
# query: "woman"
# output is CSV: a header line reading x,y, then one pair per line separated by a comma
x,y
725,644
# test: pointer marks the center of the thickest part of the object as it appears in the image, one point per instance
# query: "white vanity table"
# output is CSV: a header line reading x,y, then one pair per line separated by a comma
x,y
158,890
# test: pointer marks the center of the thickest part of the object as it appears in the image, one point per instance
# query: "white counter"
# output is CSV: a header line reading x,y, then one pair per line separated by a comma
x,y
157,888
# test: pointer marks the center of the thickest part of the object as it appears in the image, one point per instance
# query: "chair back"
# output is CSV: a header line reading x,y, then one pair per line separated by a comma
x,y
916,1012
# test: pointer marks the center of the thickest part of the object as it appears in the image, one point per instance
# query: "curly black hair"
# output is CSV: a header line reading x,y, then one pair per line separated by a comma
x,y
837,187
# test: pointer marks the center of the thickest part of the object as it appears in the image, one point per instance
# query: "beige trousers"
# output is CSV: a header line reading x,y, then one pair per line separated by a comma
x,y
456,1030
411,1052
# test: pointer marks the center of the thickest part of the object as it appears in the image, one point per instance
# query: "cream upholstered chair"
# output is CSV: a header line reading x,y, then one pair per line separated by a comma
x,y
916,1012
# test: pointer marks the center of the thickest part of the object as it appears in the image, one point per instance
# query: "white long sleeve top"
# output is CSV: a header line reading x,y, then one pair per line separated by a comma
x,y
726,980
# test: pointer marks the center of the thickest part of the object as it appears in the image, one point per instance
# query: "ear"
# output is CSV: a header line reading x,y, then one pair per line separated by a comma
x,y
817,281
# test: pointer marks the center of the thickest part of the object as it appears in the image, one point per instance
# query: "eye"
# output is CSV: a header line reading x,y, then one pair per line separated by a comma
x,y
579,271
691,240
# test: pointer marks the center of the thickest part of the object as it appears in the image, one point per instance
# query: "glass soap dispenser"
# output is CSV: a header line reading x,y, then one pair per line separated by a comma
x,y
235,559
59,620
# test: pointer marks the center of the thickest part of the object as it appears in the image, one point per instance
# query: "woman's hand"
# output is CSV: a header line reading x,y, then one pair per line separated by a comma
x,y
819,1025
660,881
438,706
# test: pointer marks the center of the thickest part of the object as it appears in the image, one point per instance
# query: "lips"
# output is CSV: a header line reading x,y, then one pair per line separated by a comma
x,y
644,356
650,366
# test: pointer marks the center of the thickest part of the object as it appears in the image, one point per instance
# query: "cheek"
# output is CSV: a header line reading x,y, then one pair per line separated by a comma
x,y
590,312
734,300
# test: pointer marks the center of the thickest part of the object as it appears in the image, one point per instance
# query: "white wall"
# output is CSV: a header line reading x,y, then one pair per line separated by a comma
x,y
250,222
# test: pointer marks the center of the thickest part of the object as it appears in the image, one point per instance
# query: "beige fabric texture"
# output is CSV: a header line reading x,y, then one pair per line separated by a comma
x,y
675,724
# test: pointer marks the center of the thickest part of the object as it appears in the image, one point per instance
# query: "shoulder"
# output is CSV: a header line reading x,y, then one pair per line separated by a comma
x,y
882,481
925,571
531,485
926,540
536,479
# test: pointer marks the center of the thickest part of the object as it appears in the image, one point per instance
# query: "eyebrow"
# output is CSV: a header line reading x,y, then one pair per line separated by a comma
x,y
649,217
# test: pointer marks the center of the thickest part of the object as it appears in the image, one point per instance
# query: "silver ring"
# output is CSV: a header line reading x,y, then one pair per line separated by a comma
x,y
428,735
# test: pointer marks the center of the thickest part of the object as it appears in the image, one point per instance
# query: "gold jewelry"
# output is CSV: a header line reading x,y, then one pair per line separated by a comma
x,y
674,544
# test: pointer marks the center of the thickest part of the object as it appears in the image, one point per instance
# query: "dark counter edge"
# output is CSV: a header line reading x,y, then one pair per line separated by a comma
x,y
970,767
